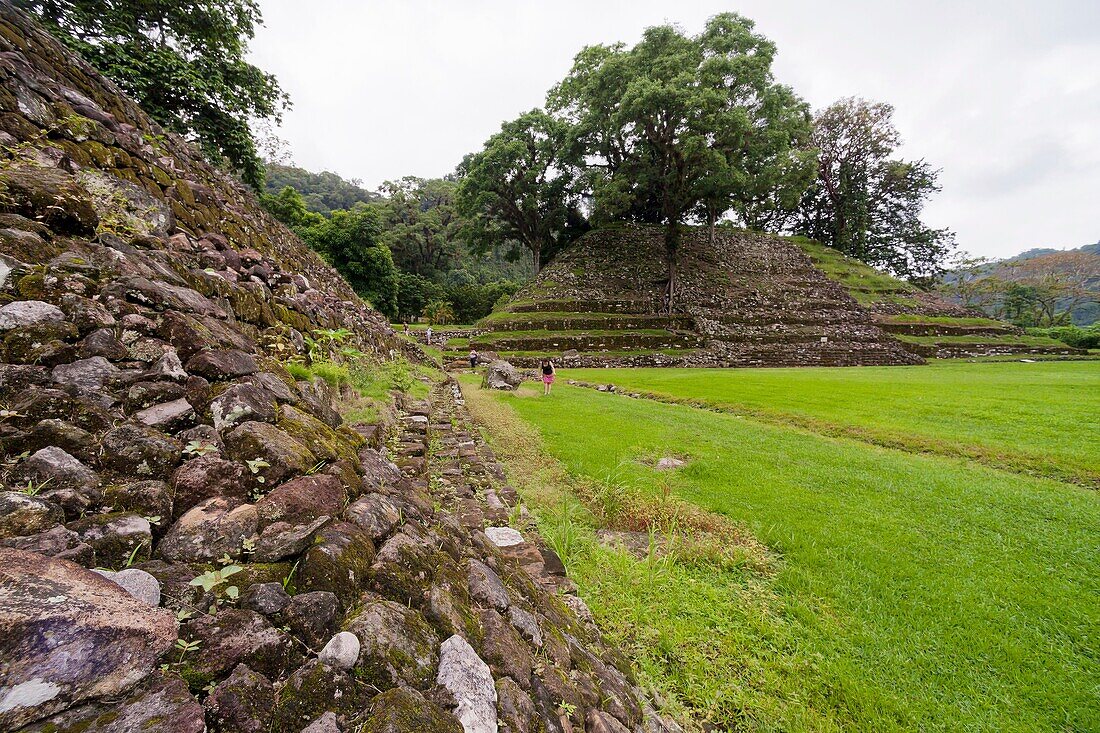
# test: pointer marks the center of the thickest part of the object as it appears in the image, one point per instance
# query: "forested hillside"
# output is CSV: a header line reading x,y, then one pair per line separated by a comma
x,y
406,248
1037,288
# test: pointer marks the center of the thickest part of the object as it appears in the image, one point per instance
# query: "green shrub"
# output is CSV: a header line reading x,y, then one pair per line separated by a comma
x,y
1075,336
334,374
299,371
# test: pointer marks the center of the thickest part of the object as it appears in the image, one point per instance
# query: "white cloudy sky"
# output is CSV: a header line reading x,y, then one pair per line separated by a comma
x,y
1004,95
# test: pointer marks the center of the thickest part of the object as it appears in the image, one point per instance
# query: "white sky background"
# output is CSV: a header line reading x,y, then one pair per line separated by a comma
x,y
1003,96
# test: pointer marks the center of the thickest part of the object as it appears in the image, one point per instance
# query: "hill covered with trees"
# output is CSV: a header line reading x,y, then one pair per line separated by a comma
x,y
1037,288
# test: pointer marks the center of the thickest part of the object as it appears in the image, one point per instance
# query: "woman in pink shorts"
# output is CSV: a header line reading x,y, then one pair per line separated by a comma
x,y
548,373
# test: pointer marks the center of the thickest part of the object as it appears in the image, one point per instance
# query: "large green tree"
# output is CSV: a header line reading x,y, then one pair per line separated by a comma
x,y
679,126
867,203
421,225
290,208
184,63
350,240
515,189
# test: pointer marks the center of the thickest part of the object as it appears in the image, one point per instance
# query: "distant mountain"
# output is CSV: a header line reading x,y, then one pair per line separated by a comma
x,y
1040,251
1010,270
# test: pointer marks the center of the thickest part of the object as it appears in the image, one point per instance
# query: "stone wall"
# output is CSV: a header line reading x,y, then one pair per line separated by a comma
x,y
192,540
747,299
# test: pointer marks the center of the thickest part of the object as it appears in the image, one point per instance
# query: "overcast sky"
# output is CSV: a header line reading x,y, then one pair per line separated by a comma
x,y
1004,96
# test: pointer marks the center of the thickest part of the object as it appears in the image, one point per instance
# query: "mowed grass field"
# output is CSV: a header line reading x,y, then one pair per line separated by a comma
x,y
1042,417
908,592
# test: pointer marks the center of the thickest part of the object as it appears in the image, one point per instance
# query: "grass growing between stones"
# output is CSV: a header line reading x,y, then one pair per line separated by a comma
x,y
1041,418
911,592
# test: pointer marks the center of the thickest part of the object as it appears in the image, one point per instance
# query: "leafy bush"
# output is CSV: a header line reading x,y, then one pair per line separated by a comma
x,y
1075,336
439,312
471,302
334,374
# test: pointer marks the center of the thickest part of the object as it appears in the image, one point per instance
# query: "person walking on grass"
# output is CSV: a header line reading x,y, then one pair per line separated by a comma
x,y
429,335
473,358
548,373
405,326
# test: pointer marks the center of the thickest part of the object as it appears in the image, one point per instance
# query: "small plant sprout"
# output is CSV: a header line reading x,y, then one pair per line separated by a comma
x,y
248,545
198,448
186,647
32,488
213,580
255,466
133,554
290,576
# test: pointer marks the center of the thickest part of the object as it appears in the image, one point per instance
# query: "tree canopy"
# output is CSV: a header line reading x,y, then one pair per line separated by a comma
x,y
351,241
184,63
515,191
679,125
421,224
322,192
865,202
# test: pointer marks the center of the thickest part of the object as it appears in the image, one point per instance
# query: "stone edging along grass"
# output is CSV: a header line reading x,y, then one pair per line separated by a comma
x,y
908,443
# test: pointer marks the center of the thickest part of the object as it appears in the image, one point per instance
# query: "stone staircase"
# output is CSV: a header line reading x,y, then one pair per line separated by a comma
x,y
746,300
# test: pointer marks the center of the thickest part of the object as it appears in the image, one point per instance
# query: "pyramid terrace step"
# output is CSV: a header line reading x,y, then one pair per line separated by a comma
x,y
554,321
595,305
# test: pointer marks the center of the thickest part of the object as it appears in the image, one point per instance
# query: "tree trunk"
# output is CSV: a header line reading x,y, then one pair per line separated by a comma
x,y
672,247
711,220
537,251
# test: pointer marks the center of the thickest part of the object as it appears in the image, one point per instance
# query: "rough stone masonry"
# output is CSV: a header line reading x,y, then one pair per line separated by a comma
x,y
192,540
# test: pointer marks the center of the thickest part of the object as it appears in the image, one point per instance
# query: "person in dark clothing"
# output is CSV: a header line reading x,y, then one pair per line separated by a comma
x,y
548,373
473,358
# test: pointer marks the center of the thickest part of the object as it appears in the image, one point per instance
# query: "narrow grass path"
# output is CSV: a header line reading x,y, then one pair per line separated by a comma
x,y
1038,418
913,593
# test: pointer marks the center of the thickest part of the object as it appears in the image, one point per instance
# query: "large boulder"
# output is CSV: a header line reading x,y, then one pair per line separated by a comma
x,y
69,635
22,515
217,364
162,704
404,710
59,477
135,448
216,527
29,313
235,636
397,647
502,375
241,703
58,542
313,689
241,403
375,513
207,477
52,469
339,562
51,196
312,616
302,500
117,537
463,674
283,455
87,375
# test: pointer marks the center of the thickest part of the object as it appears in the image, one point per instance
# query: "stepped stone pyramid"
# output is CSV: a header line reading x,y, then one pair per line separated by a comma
x,y
748,299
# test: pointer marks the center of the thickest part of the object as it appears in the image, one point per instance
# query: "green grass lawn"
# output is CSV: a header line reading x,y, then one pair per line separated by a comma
x,y
911,592
1042,418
